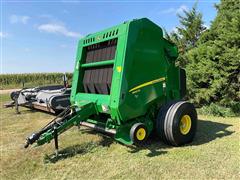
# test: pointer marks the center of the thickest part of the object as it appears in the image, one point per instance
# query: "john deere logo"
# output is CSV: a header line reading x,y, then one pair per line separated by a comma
x,y
98,38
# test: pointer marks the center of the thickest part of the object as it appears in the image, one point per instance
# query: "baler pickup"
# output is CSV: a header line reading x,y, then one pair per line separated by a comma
x,y
125,82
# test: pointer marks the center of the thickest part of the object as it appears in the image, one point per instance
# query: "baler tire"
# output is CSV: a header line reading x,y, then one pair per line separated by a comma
x,y
133,133
170,125
160,120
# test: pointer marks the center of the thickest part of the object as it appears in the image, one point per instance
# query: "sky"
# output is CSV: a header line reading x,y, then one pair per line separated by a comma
x,y
42,36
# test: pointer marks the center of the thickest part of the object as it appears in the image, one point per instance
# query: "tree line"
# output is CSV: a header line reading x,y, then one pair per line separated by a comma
x,y
211,57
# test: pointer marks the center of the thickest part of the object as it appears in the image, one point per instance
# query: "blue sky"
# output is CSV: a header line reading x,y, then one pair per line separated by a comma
x,y
42,36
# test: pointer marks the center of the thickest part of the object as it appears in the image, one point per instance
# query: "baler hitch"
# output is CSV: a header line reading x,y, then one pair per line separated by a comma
x,y
51,126
65,120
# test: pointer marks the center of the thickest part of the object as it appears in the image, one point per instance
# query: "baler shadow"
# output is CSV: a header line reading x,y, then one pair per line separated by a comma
x,y
106,139
153,145
69,152
79,149
209,130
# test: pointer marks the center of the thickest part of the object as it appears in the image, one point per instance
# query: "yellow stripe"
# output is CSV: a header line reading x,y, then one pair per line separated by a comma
x,y
147,84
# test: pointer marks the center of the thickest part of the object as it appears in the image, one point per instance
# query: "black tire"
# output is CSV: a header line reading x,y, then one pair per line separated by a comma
x,y
169,119
14,95
133,133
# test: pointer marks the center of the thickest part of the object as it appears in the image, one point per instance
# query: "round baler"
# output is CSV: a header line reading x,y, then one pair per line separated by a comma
x,y
126,83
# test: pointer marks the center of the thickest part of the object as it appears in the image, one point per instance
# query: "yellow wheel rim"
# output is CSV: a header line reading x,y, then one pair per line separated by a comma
x,y
185,124
141,134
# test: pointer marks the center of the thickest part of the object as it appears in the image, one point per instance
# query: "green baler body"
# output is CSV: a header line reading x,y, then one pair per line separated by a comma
x,y
140,76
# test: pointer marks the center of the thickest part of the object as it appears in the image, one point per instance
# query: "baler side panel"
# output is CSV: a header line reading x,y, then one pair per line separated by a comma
x,y
144,51
117,90
176,81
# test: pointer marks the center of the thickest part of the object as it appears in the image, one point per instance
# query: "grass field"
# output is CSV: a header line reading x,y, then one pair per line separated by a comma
x,y
215,153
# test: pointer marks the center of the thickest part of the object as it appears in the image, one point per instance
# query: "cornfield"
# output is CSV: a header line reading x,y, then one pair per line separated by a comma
x,y
32,79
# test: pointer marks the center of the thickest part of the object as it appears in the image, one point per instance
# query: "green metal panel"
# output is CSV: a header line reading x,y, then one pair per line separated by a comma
x,y
96,64
145,63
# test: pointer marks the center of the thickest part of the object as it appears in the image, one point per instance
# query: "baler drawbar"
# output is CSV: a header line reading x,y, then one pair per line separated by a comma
x,y
126,83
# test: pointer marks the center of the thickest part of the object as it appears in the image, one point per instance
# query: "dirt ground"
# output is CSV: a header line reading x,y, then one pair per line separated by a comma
x,y
7,91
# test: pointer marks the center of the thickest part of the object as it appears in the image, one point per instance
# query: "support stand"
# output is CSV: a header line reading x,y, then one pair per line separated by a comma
x,y
55,133
16,106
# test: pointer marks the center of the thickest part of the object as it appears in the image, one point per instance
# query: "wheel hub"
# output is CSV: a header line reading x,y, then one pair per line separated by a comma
x,y
185,124
141,133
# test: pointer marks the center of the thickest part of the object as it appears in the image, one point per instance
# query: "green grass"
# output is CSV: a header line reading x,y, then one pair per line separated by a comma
x,y
88,155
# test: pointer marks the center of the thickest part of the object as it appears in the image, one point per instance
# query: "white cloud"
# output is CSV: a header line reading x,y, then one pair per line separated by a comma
x,y
206,26
3,35
181,9
168,11
174,10
58,29
174,30
50,18
19,19
47,16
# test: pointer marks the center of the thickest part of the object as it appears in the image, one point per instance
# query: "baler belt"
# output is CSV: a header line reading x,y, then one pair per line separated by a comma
x,y
102,51
97,80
